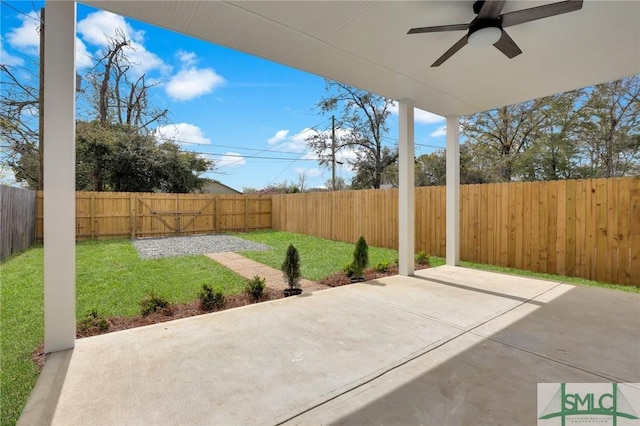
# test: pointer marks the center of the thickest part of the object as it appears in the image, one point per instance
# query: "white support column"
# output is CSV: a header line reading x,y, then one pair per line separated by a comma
x,y
406,204
453,190
59,176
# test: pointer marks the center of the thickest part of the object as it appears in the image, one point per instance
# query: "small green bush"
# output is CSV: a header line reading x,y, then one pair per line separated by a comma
x,y
255,287
93,320
360,257
291,267
348,269
422,258
151,303
382,267
210,299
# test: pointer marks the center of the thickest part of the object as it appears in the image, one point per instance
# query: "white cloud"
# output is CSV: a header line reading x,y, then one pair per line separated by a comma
x,y
26,37
230,159
98,26
439,132
187,58
193,82
295,143
420,116
278,137
84,59
8,59
182,133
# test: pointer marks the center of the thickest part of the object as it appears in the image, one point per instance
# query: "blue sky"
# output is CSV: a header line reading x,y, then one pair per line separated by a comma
x,y
231,106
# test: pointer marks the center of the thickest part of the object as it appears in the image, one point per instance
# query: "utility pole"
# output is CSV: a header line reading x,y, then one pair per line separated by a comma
x,y
41,105
333,153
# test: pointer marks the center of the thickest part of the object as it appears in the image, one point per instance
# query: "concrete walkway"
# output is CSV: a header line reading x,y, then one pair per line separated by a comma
x,y
250,268
450,346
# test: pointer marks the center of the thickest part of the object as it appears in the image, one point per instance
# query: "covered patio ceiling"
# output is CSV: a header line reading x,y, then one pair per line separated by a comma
x,y
364,44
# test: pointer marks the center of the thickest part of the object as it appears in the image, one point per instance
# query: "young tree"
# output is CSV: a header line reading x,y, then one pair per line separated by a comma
x,y
362,119
302,181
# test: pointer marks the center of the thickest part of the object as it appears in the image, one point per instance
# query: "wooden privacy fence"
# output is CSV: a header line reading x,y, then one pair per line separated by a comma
x,y
585,228
124,214
17,220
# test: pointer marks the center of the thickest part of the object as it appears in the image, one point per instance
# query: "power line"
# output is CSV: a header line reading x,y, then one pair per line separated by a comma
x,y
21,12
274,146
289,165
240,148
258,157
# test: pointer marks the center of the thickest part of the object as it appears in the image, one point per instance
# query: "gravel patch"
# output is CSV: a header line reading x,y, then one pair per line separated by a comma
x,y
157,248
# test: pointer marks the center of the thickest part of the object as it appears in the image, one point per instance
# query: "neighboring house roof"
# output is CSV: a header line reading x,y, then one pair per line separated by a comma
x,y
216,187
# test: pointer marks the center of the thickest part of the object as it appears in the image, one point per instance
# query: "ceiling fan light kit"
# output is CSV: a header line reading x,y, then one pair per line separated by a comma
x,y
485,33
488,27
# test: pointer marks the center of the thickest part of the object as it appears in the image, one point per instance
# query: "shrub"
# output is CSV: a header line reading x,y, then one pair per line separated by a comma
x,y
151,303
382,267
348,269
93,321
291,267
422,258
360,257
210,299
255,287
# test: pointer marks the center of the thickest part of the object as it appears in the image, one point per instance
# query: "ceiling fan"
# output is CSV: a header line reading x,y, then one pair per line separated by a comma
x,y
488,27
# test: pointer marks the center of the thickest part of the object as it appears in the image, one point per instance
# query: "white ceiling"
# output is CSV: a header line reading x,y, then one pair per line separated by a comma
x,y
364,44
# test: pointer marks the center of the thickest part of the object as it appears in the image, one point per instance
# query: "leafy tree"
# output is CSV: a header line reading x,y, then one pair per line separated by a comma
x,y
610,128
119,158
340,184
363,123
499,137
367,169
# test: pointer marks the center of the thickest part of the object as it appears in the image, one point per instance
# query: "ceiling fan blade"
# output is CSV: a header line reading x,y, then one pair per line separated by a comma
x,y
507,46
441,28
449,53
491,9
534,13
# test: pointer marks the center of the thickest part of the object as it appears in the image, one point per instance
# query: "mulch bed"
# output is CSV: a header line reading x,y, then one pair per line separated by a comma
x,y
173,312
340,278
185,310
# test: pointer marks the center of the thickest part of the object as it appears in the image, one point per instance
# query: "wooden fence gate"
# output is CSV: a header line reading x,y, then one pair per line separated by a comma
x,y
122,214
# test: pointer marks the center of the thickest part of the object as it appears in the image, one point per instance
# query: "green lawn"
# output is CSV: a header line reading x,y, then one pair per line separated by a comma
x,y
111,278
318,257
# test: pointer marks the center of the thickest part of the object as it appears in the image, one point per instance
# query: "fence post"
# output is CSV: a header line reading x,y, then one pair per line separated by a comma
x,y
132,212
217,213
246,213
92,216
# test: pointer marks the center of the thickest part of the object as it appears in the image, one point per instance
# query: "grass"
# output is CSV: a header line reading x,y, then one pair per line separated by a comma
x,y
319,258
110,277
545,276
21,317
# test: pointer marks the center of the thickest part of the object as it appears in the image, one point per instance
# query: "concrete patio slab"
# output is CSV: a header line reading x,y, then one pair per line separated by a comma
x,y
399,350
